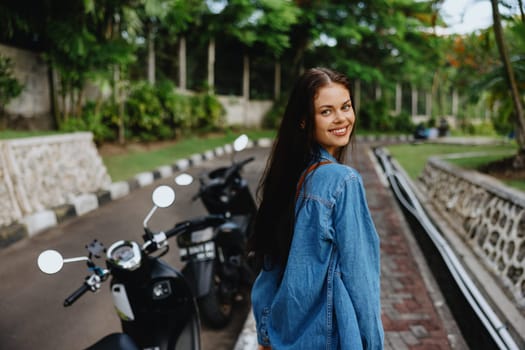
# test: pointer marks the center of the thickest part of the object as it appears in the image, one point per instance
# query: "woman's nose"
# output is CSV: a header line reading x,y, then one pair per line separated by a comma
x,y
339,117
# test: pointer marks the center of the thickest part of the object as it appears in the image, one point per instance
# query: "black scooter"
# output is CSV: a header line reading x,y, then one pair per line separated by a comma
x,y
154,301
217,280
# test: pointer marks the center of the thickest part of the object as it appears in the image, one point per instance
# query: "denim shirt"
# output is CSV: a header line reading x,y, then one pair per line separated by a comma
x,y
329,295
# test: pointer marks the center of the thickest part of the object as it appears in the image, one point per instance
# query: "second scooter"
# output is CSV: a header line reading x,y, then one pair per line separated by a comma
x,y
218,280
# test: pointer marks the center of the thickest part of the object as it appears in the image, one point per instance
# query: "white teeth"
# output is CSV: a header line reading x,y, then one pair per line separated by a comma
x,y
339,131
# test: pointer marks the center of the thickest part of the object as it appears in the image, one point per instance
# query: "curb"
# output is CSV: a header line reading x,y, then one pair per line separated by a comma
x,y
40,221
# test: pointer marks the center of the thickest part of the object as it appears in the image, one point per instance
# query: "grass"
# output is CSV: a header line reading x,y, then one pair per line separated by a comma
x,y
413,157
14,134
124,166
475,162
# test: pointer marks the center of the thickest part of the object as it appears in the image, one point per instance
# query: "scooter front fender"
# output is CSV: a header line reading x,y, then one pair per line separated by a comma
x,y
199,275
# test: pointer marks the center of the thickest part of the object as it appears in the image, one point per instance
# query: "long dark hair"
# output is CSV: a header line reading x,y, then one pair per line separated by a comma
x,y
293,149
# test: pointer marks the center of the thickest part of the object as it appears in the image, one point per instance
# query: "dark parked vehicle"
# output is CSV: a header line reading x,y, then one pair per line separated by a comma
x,y
154,301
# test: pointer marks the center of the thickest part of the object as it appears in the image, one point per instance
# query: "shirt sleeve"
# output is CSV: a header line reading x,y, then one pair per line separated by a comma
x,y
357,241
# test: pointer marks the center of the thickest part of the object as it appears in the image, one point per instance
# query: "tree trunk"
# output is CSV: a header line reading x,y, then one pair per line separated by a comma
x,y
511,80
182,63
246,78
246,86
78,107
428,105
378,92
63,112
151,55
455,103
356,99
413,100
520,4
277,81
399,98
119,101
53,97
211,65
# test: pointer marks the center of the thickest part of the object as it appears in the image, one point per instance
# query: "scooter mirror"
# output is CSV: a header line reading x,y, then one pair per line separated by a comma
x,y
163,196
184,179
50,261
240,143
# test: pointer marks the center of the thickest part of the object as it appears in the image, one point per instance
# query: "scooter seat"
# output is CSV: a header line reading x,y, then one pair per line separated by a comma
x,y
115,341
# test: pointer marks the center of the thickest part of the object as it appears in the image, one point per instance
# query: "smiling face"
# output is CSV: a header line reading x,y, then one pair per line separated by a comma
x,y
334,117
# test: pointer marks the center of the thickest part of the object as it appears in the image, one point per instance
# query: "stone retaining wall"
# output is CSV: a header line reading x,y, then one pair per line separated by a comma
x,y
491,217
39,173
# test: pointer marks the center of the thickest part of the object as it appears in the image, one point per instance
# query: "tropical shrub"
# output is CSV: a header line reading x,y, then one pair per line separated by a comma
x,y
101,120
206,112
146,119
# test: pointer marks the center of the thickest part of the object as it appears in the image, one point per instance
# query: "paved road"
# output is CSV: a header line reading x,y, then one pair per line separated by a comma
x,y
31,312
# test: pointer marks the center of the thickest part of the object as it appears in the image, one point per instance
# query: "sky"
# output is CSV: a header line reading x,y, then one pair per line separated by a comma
x,y
465,16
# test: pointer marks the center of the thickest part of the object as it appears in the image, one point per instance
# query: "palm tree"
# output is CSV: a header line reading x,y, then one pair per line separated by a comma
x,y
519,161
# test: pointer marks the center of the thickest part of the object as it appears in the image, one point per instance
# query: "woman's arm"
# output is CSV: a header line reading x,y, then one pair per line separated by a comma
x,y
358,244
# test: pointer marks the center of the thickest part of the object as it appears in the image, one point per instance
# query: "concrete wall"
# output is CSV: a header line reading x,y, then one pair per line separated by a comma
x,y
488,216
39,173
239,111
32,108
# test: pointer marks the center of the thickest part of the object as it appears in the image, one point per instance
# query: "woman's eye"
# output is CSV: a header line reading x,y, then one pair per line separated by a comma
x,y
346,107
325,112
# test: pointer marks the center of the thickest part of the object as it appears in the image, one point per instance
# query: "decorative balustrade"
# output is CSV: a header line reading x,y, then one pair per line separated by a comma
x,y
40,173
492,218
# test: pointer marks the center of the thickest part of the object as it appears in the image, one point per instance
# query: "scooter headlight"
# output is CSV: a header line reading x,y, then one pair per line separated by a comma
x,y
161,290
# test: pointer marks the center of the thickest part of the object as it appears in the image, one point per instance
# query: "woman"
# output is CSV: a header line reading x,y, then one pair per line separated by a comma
x,y
314,237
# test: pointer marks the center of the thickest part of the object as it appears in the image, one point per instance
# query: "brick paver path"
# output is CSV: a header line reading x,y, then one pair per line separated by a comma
x,y
409,317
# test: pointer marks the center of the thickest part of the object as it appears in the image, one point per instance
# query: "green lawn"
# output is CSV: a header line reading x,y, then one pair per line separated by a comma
x,y
125,166
13,134
413,157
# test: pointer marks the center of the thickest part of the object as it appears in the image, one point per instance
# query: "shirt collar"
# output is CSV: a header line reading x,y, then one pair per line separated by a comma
x,y
327,156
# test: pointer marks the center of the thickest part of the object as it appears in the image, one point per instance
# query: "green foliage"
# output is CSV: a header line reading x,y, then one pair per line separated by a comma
x,y
158,112
479,67
9,85
375,41
177,107
151,113
206,112
146,118
403,122
272,119
485,128
374,115
102,121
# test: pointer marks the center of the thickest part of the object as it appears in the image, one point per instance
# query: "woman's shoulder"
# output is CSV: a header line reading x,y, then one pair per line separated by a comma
x,y
337,172
332,179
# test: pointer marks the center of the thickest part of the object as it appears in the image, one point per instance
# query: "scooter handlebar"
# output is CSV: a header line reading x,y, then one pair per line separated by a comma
x,y
235,168
246,161
196,224
76,294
